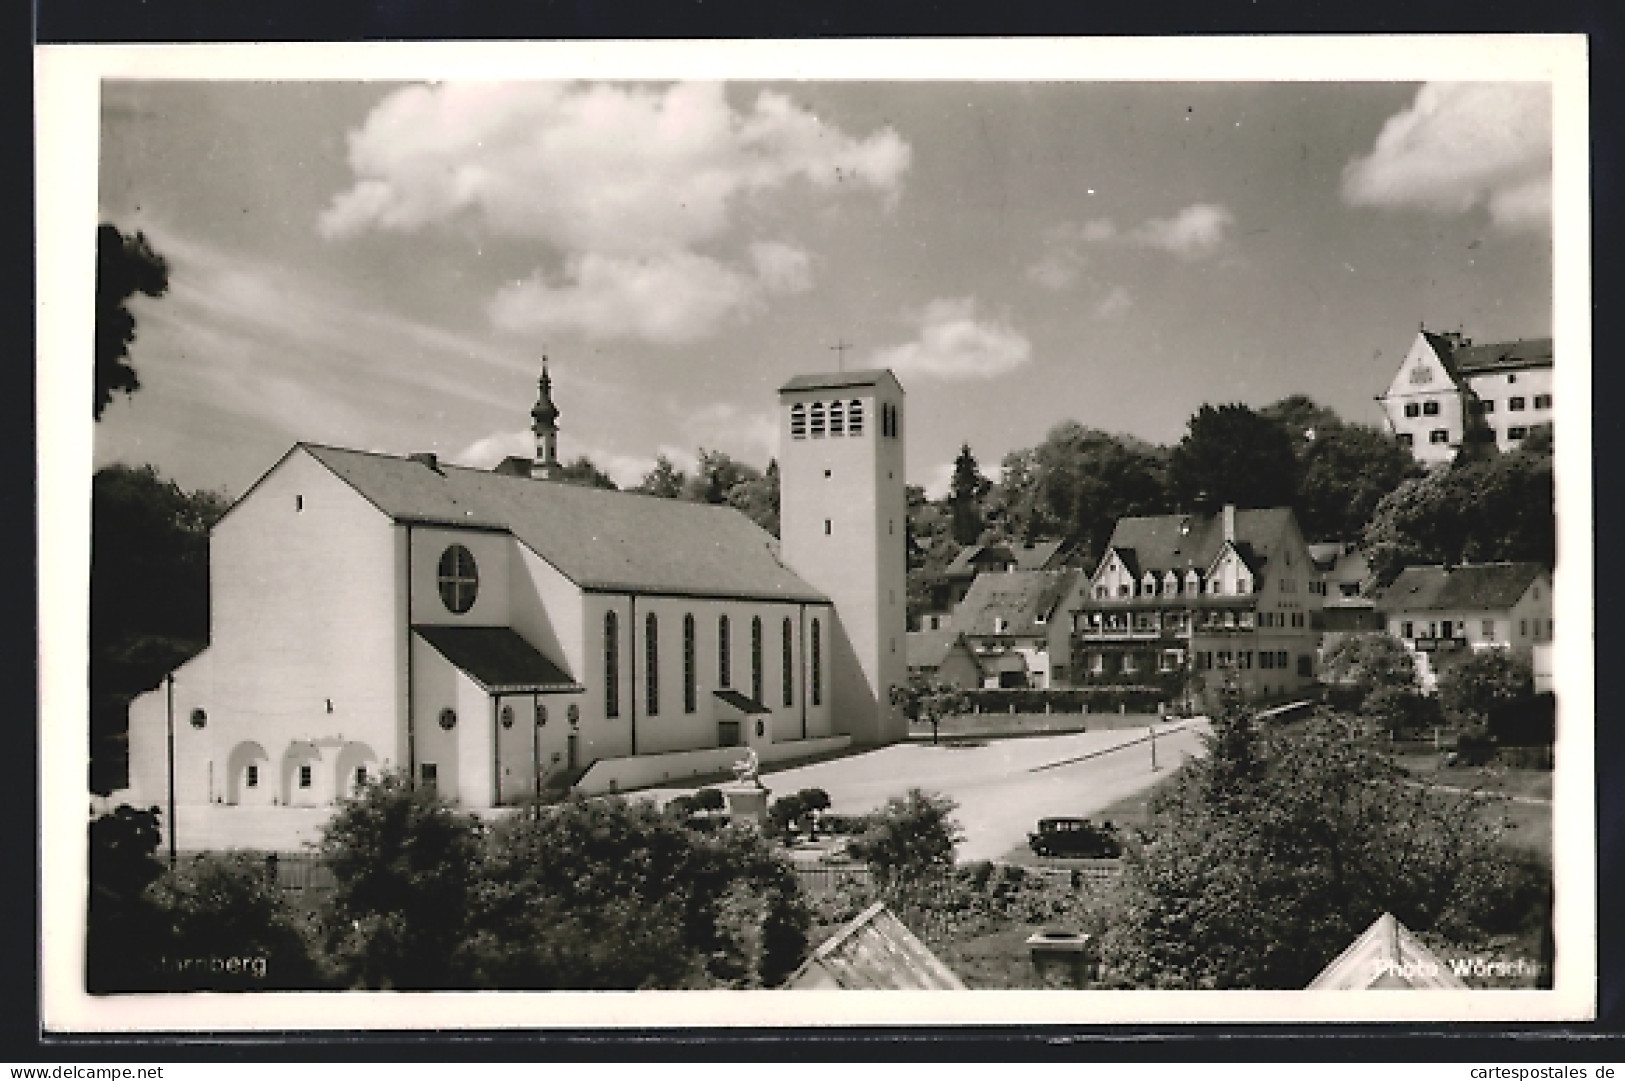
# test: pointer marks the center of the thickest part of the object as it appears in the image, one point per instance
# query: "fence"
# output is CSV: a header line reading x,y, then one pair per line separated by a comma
x,y
821,879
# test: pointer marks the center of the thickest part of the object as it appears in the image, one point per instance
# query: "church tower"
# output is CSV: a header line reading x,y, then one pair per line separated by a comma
x,y
544,421
842,523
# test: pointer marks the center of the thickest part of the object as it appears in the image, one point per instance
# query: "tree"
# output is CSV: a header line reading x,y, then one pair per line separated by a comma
x,y
1361,666
796,810
664,480
1471,511
149,597
1233,455
232,928
1302,420
1345,471
1484,684
584,473
965,492
405,865
757,498
1084,479
125,933
607,894
125,266
911,838
716,475
1267,856
922,699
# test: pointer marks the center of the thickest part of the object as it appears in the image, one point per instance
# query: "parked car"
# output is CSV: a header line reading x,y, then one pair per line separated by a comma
x,y
1077,838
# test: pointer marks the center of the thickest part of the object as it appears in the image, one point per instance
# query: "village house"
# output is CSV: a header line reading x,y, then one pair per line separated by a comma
x,y
1439,611
491,634
1007,620
1346,605
1222,598
943,657
999,558
1446,383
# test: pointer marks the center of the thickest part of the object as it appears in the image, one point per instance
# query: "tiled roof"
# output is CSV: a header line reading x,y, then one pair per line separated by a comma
x,y
1463,359
1326,554
1180,541
498,659
1472,587
875,952
1387,956
597,538
1027,557
1017,597
926,649
866,377
744,703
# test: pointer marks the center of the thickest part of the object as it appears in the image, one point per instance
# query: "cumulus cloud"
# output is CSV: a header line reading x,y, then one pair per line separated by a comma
x,y
1193,233
1462,145
602,168
954,344
622,182
940,479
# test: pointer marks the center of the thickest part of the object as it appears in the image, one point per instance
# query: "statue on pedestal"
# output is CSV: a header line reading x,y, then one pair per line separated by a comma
x,y
746,769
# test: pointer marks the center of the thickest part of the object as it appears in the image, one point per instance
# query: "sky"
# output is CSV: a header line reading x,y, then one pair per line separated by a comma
x,y
383,265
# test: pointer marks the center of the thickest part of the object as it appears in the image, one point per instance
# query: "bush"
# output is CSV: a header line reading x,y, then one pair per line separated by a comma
x,y
709,799
1475,747
405,865
604,894
126,935
1490,682
912,837
230,929
795,811
1132,697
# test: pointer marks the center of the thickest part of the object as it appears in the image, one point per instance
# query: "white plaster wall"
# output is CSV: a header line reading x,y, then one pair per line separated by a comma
x,y
306,638
492,600
463,756
623,774
1500,387
859,564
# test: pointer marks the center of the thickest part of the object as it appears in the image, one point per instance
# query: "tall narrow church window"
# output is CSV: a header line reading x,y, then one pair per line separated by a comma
x,y
837,418
854,417
724,660
459,579
688,663
756,658
651,663
798,421
612,666
817,666
817,419
787,663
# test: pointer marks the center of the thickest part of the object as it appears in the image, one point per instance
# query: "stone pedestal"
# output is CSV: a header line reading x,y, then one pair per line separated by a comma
x,y
747,802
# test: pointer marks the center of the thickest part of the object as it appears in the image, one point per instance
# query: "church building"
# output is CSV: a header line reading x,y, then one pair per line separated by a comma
x,y
495,634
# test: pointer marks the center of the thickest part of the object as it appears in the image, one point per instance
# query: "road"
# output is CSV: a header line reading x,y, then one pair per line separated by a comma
x,y
1002,786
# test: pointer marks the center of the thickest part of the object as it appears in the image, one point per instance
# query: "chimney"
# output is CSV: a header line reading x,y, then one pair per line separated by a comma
x,y
1230,522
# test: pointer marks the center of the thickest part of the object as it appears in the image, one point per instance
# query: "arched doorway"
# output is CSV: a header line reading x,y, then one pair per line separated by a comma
x,y
248,775
302,780
356,766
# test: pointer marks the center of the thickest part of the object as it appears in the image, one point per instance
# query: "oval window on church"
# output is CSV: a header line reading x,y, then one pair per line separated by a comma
x,y
448,719
459,579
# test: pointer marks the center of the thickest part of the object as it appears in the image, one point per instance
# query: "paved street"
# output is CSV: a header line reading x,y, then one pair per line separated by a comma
x,y
1002,786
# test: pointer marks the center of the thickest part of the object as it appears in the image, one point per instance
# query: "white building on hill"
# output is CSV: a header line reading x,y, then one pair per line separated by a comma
x,y
492,634
1445,381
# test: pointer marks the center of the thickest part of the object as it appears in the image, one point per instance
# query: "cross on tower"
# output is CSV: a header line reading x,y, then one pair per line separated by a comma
x,y
840,347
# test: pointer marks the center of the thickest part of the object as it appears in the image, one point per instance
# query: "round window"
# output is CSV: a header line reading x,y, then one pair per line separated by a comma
x,y
574,714
448,719
541,715
507,716
199,718
459,579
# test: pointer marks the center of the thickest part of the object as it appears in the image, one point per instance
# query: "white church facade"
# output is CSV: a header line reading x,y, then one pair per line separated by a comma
x,y
493,635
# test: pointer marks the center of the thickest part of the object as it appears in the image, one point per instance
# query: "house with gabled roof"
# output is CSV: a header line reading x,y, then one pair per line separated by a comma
x,y
1441,611
1215,598
492,634
1001,557
1447,385
944,657
1008,620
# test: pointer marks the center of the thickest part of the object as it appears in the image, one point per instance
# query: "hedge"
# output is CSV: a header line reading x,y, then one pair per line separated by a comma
x,y
1107,699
